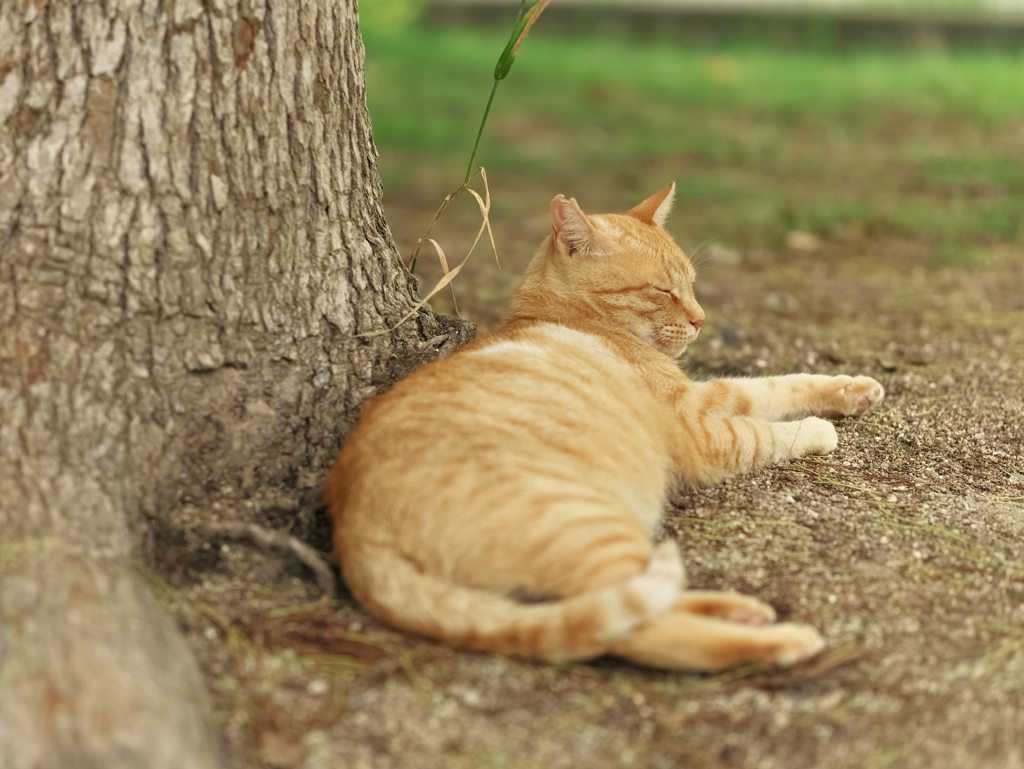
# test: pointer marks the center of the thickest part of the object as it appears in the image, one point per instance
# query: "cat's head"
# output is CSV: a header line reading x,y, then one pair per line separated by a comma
x,y
626,269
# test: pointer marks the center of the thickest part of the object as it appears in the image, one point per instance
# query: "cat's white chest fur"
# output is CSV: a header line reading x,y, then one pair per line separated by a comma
x,y
587,342
578,339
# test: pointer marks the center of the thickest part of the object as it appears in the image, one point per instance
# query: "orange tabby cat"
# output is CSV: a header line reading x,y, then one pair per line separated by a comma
x,y
506,498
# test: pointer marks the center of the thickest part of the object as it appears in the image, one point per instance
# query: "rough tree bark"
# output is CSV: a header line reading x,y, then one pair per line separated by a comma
x,y
190,239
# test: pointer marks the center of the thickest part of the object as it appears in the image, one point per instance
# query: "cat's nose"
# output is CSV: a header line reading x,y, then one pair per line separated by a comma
x,y
697,324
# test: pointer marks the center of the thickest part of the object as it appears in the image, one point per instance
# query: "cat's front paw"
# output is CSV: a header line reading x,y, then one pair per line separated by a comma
x,y
813,437
851,396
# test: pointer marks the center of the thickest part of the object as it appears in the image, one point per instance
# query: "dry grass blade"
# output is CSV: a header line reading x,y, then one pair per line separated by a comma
x,y
336,663
443,207
161,588
12,552
815,667
444,266
729,675
430,227
440,284
1007,647
531,16
484,204
320,603
584,712
485,212
238,642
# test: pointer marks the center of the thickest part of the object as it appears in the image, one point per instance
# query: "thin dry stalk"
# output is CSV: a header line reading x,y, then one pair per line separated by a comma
x,y
444,266
484,204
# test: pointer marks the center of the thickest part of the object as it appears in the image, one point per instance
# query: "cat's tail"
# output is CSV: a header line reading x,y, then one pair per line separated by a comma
x,y
583,626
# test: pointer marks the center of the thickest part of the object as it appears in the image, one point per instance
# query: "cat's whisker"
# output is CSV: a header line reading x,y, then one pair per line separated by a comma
x,y
708,257
704,261
697,251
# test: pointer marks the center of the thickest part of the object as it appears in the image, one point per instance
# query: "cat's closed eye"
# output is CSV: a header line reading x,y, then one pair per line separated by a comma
x,y
668,292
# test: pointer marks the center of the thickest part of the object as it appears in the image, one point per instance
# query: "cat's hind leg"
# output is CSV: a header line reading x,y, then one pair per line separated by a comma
x,y
685,641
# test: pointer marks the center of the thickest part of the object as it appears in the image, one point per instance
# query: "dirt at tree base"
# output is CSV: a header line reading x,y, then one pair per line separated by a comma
x,y
905,547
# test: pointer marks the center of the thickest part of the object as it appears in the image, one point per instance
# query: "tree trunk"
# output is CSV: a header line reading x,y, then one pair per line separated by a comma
x,y
190,241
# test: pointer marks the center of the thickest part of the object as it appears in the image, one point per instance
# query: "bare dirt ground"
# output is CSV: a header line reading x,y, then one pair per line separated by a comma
x,y
905,547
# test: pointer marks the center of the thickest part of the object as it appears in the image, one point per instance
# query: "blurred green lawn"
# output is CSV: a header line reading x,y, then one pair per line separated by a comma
x,y
428,87
760,141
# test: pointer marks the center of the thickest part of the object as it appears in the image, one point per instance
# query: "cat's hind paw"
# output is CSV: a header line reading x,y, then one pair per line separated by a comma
x,y
730,606
794,643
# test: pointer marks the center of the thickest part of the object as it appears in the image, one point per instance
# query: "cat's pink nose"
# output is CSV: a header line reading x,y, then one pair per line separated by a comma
x,y
697,324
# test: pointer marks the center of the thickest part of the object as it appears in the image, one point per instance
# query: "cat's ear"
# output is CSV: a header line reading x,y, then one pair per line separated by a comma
x,y
571,227
656,208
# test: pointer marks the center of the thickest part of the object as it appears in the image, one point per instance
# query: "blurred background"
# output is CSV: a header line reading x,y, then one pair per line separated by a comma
x,y
841,162
851,186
